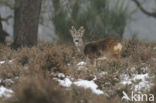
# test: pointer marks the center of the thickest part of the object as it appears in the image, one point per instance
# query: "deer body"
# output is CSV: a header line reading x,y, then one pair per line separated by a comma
x,y
108,47
96,50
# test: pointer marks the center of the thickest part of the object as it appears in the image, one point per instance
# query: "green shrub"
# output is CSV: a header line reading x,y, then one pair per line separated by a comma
x,y
99,17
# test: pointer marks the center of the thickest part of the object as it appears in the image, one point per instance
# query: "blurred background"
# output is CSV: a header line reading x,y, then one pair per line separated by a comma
x,y
119,18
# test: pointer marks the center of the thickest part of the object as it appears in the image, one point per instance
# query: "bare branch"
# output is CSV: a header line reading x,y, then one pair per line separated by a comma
x,y
152,14
7,4
6,19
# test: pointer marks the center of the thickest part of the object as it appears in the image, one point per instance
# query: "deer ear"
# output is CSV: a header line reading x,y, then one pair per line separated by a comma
x,y
81,30
72,30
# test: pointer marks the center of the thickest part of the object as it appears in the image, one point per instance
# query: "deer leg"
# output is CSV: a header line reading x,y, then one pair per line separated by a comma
x,y
95,63
117,55
88,61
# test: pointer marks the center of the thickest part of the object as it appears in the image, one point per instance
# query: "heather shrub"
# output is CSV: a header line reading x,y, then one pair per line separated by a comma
x,y
108,76
138,51
10,74
130,46
81,95
68,53
30,74
38,89
153,90
82,72
47,59
5,51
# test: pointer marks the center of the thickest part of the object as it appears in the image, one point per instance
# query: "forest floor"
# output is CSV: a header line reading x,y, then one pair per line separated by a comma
x,y
57,73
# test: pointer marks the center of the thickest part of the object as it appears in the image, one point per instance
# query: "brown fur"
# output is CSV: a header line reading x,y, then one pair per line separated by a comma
x,y
103,47
96,50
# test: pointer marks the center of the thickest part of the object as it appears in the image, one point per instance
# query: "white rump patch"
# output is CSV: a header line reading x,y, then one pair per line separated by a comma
x,y
118,47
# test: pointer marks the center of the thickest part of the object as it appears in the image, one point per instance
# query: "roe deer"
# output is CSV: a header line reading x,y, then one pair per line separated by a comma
x,y
77,37
96,50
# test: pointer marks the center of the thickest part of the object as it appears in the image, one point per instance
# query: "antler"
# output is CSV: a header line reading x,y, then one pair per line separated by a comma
x,y
81,30
72,30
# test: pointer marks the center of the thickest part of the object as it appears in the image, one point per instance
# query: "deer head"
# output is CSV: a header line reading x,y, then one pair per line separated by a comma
x,y
77,36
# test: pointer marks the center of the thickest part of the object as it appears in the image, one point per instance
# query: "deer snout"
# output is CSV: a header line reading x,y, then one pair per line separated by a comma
x,y
76,40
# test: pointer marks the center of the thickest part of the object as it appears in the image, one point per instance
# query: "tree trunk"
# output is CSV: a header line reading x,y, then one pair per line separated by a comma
x,y
27,14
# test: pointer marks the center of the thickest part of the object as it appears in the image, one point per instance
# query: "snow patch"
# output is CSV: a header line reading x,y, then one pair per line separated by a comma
x,y
81,63
3,62
89,84
8,81
10,61
133,69
61,75
103,73
126,82
126,79
95,78
154,48
68,64
65,83
4,92
140,77
82,68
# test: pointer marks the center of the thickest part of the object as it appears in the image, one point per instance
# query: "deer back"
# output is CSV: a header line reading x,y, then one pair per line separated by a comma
x,y
103,47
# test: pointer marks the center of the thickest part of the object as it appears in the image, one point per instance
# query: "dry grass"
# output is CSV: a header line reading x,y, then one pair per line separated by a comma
x,y
32,67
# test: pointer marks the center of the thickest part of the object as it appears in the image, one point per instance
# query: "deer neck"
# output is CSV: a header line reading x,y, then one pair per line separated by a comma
x,y
80,46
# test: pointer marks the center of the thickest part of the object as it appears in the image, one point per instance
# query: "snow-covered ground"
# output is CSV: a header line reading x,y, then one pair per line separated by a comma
x,y
67,82
137,81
